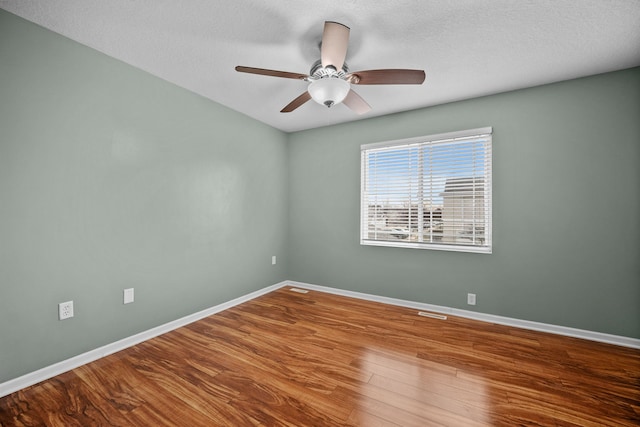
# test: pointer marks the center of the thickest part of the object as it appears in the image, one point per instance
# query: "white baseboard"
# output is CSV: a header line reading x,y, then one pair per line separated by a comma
x,y
51,371
490,318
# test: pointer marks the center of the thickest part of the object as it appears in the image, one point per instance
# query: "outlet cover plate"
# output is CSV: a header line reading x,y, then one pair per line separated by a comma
x,y
65,310
471,299
128,296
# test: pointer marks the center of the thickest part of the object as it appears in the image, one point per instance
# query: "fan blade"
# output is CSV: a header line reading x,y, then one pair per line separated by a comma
x,y
296,102
356,103
335,40
386,77
273,73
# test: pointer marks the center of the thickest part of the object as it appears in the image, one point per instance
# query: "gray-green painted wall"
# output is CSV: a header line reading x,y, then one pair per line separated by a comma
x,y
566,208
111,178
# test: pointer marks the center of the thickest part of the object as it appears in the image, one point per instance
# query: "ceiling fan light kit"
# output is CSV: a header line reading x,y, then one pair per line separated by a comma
x,y
330,80
329,91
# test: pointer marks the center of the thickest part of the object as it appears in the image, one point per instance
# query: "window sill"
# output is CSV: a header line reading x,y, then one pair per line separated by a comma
x,y
436,247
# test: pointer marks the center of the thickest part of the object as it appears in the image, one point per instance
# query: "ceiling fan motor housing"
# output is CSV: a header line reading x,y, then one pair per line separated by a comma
x,y
318,71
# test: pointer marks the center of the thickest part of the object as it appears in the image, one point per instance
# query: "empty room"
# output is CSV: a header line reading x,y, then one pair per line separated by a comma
x,y
337,213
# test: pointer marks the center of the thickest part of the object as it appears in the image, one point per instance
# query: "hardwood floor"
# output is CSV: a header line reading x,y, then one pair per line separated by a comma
x,y
290,359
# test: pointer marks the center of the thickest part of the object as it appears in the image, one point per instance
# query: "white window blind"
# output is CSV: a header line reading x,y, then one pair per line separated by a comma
x,y
431,192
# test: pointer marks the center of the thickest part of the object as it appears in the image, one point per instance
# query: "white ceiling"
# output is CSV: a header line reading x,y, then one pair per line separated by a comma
x,y
468,48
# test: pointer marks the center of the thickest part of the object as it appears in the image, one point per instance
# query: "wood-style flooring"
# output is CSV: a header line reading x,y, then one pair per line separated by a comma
x,y
315,359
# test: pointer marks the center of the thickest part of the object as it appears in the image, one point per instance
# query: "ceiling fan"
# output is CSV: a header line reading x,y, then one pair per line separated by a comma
x,y
330,79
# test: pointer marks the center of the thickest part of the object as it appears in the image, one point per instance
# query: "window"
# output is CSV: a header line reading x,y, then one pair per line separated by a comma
x,y
431,192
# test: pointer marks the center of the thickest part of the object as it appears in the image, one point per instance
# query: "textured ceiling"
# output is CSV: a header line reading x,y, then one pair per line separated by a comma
x,y
468,48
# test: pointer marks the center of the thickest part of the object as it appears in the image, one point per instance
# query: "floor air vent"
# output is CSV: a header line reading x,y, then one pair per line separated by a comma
x,y
300,291
432,315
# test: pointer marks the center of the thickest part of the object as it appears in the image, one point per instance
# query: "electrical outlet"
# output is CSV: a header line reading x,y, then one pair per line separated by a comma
x,y
65,310
471,299
128,296
273,260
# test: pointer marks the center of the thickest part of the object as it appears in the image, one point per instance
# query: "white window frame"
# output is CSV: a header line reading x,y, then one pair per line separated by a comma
x,y
484,245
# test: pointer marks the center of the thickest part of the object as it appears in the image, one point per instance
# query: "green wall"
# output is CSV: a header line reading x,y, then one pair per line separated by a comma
x,y
566,208
111,178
